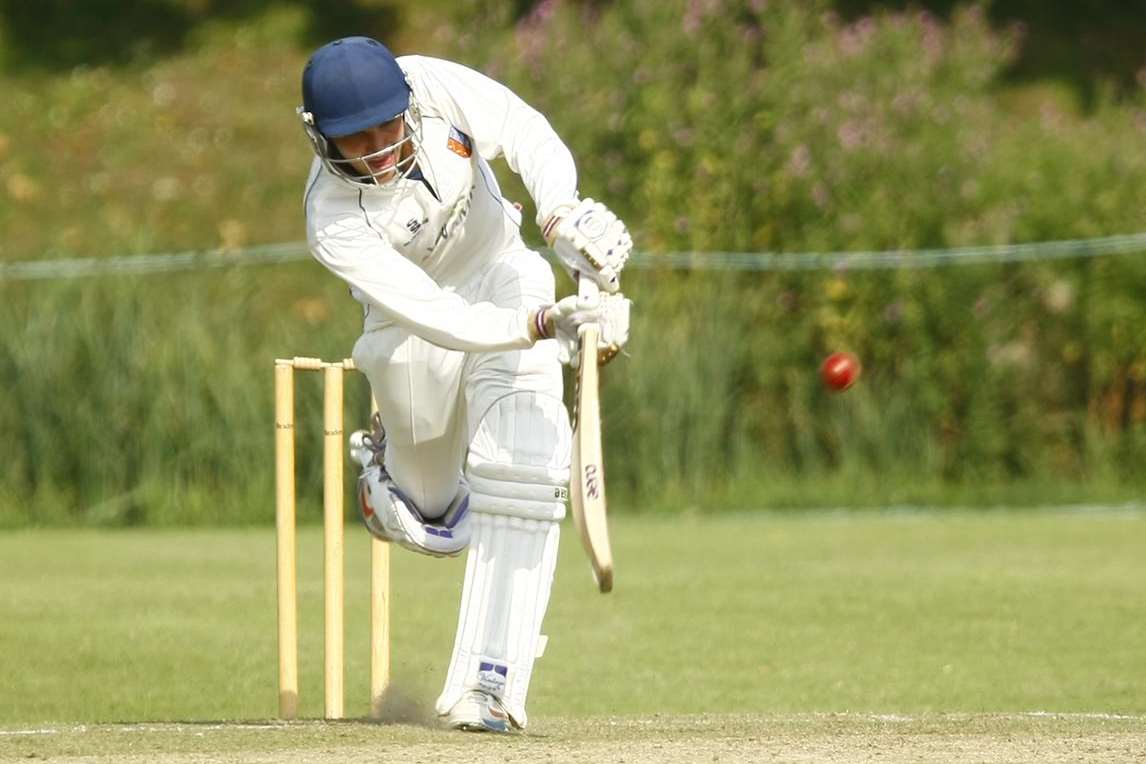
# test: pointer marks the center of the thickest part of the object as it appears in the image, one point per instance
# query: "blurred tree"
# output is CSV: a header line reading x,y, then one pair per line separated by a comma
x,y
60,34
1084,43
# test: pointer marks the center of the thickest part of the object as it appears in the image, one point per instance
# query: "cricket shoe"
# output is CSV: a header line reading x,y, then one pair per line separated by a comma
x,y
479,711
369,448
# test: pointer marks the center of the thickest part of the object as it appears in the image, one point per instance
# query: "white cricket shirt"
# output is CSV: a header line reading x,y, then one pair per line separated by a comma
x,y
404,248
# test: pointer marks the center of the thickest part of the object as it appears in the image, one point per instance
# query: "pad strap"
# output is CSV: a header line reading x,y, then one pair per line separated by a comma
x,y
527,492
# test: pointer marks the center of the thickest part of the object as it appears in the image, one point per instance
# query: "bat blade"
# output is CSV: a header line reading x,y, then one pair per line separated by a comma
x,y
587,487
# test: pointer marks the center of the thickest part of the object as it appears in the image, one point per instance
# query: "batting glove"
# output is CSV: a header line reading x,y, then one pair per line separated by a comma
x,y
563,322
590,240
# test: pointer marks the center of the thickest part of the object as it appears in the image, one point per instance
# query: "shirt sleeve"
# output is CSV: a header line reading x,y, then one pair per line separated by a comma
x,y
404,293
499,122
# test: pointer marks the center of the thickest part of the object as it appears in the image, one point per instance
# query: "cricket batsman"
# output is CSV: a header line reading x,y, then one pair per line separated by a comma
x,y
463,339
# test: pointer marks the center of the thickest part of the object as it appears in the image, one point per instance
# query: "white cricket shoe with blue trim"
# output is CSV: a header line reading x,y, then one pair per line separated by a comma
x,y
479,711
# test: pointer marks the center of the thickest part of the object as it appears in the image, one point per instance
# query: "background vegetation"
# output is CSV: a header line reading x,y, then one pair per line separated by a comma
x,y
710,125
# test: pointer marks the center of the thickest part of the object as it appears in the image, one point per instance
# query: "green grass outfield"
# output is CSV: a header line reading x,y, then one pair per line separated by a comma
x,y
767,624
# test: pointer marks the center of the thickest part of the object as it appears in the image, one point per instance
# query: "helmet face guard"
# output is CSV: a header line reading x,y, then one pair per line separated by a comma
x,y
356,170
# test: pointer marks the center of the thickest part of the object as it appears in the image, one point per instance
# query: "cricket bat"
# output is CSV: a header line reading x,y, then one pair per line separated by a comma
x,y
587,484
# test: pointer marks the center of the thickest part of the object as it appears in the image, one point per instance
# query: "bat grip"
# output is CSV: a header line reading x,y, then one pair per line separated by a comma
x,y
587,289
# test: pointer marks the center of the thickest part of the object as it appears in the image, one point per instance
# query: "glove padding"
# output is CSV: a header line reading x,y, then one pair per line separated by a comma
x,y
590,240
610,312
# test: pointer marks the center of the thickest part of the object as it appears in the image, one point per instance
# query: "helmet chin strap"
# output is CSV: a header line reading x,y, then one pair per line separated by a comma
x,y
347,170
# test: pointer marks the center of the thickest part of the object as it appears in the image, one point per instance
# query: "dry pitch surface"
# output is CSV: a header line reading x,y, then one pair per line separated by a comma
x,y
698,738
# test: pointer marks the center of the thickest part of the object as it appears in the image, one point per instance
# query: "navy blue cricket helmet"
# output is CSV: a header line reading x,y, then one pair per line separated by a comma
x,y
350,85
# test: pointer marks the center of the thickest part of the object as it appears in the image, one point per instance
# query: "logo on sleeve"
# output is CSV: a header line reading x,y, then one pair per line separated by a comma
x,y
459,143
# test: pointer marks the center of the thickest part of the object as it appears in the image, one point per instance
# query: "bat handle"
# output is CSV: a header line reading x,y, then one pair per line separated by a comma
x,y
586,287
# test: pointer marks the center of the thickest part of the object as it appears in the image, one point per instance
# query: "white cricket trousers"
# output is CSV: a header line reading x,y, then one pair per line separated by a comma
x,y
431,400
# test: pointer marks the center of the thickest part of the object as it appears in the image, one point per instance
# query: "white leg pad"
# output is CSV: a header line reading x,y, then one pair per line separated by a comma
x,y
518,469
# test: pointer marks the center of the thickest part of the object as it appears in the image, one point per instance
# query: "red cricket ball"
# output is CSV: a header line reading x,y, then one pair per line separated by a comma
x,y
840,371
